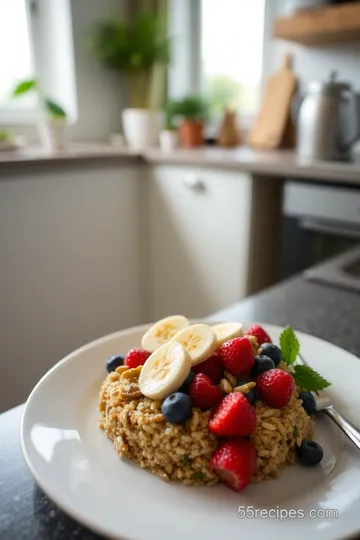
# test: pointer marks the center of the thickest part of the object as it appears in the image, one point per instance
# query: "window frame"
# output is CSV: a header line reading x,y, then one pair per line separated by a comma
x,y
37,16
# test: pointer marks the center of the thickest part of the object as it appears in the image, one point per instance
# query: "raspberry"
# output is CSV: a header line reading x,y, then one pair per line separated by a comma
x,y
203,393
136,357
237,356
234,461
233,417
257,331
275,387
212,367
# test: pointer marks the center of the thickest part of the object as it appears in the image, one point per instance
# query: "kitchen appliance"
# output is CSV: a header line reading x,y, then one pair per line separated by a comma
x,y
319,221
322,125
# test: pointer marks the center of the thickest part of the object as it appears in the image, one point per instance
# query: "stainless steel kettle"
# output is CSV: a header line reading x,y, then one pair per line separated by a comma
x,y
320,120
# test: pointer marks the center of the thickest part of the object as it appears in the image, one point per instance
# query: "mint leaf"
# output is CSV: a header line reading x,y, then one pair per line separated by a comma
x,y
289,345
308,379
198,475
186,460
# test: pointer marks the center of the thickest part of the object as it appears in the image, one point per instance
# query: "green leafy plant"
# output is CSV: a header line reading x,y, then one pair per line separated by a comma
x,y
305,377
52,109
134,48
192,107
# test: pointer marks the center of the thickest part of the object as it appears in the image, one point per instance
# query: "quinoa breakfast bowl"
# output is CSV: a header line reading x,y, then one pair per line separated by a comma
x,y
207,403
135,450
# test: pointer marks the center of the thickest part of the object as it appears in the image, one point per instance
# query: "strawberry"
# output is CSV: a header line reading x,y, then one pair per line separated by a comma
x,y
237,356
212,367
275,387
203,393
233,417
257,331
136,357
234,461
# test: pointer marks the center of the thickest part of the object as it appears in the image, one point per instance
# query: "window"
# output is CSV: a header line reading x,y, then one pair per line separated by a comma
x,y
16,61
232,49
36,40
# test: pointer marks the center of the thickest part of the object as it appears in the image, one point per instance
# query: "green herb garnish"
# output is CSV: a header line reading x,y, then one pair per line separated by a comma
x,y
186,460
289,345
305,377
198,475
308,379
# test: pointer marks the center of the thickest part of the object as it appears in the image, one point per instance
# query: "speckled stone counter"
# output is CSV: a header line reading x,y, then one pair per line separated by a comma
x,y
26,513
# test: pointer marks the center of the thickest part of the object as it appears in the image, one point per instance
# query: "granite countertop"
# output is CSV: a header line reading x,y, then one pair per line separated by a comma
x,y
26,513
277,163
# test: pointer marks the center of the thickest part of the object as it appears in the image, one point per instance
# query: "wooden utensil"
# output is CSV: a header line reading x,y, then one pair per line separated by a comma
x,y
269,128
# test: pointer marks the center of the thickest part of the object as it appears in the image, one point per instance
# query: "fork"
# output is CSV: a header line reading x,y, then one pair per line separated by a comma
x,y
324,404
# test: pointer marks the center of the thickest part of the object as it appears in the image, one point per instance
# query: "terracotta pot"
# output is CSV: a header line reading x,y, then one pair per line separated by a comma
x,y
191,133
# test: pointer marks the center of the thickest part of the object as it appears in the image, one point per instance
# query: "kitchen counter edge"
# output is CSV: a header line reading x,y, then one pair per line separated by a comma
x,y
277,163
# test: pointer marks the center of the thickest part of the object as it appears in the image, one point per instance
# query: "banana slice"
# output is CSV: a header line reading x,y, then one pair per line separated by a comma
x,y
164,371
199,340
162,332
226,331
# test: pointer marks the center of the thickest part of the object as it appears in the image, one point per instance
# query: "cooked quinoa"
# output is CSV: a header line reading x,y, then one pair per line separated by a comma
x,y
140,432
182,452
278,432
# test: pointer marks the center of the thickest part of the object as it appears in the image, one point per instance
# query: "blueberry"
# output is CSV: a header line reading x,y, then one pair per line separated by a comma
x,y
308,402
251,396
262,363
186,385
272,351
176,408
310,453
114,362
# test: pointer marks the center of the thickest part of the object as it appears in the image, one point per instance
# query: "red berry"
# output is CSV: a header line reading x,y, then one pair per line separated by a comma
x,y
136,357
234,461
233,417
237,356
257,331
275,387
203,393
212,367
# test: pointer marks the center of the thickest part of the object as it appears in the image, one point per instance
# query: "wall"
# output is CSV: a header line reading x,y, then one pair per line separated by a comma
x,y
100,92
310,63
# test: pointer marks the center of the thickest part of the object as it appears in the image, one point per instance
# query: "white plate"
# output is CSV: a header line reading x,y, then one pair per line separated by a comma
x,y
75,464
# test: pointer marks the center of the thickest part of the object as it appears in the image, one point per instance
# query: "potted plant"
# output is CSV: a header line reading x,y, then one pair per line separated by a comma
x,y
135,48
194,112
169,138
52,127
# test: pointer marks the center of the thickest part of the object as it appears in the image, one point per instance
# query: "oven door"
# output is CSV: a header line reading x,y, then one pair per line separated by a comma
x,y
318,223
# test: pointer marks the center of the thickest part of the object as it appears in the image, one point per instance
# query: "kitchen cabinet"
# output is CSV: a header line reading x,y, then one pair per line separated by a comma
x,y
202,226
69,265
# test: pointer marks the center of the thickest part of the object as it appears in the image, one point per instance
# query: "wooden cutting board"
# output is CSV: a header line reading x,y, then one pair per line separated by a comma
x,y
269,127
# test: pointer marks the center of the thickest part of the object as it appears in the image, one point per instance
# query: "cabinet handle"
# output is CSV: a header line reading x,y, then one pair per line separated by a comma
x,y
194,182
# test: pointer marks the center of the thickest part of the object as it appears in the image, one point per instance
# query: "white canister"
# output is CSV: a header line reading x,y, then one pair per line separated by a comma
x,y
141,127
169,140
53,135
